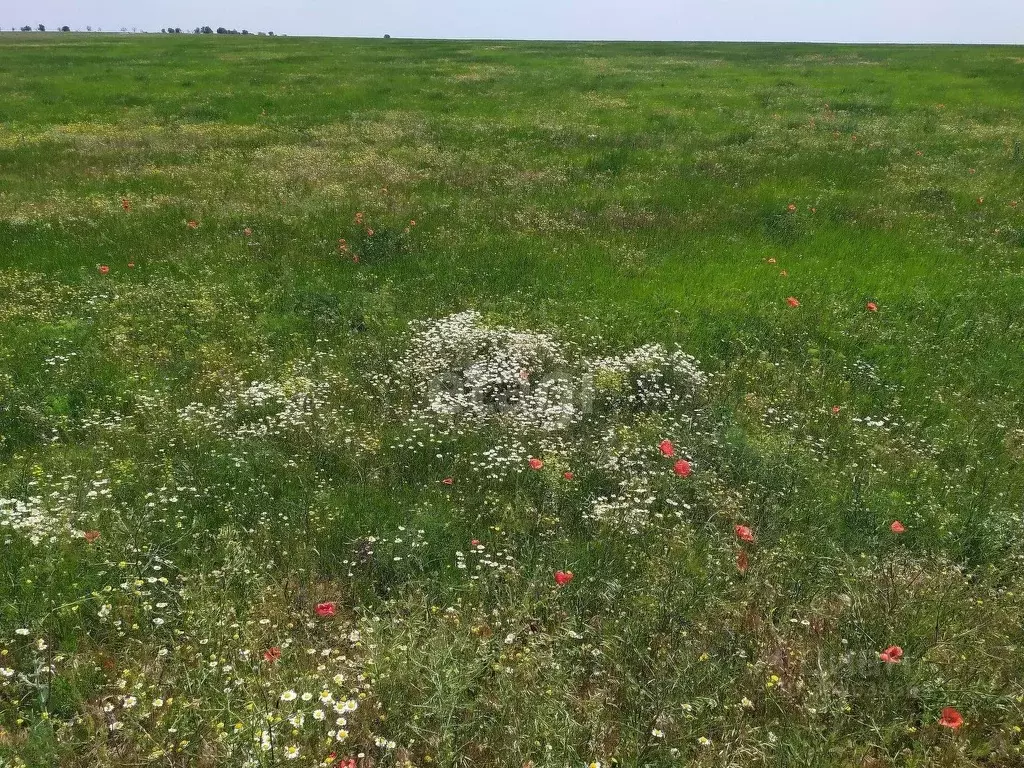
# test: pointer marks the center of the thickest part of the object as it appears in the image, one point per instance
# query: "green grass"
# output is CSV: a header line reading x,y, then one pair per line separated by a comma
x,y
611,195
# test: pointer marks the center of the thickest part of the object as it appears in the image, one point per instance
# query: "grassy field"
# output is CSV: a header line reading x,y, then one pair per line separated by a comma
x,y
509,404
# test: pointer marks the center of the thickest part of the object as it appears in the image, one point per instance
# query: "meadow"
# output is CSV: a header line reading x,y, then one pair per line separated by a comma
x,y
395,403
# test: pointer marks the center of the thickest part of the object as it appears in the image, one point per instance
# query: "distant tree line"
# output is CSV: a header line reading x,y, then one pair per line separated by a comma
x,y
219,31
165,30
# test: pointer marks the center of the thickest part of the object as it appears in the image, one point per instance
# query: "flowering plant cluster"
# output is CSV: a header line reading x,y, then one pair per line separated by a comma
x,y
558,517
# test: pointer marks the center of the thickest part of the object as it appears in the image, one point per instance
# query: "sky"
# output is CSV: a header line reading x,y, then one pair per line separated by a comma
x,y
883,21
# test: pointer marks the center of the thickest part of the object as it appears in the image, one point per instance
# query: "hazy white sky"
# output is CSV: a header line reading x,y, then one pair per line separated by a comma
x,y
911,21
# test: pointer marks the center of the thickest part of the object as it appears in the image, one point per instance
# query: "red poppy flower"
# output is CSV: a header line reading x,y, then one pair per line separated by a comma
x,y
355,259
369,232
951,718
126,204
568,475
536,464
474,543
91,536
247,231
104,269
919,153
193,224
325,609
872,307
359,217
792,301
563,577
791,207
682,468
272,654
835,410
744,534
897,527
131,265
412,222
742,561
891,655
448,481
666,448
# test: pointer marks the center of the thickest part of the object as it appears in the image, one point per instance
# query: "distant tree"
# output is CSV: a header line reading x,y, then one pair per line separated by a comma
x,y
163,31
207,30
387,37
65,28
26,28
261,34
245,31
41,28
88,28
221,31
271,33
177,30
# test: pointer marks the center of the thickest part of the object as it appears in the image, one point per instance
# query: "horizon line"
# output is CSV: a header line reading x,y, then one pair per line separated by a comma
x,y
260,33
